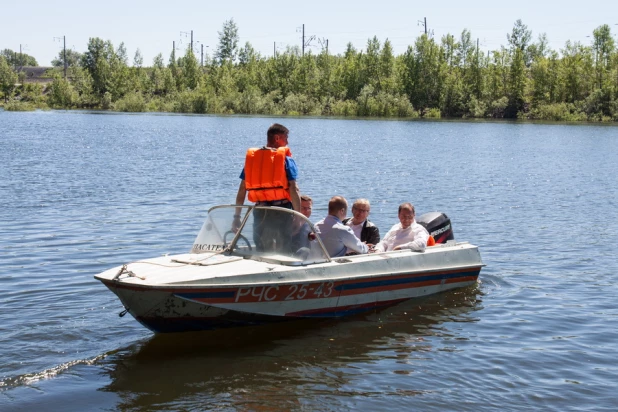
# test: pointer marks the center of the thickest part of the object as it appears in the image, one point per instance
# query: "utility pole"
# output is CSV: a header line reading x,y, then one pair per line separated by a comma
x,y
274,50
64,40
478,69
306,42
202,55
424,23
64,54
186,34
326,46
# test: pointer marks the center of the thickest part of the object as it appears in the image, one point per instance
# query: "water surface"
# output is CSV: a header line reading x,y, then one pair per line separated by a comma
x,y
83,192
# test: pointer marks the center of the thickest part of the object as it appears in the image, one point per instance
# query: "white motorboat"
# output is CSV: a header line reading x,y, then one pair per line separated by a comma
x,y
252,274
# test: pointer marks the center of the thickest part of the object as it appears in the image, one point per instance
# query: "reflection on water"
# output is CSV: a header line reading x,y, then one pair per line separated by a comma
x,y
279,366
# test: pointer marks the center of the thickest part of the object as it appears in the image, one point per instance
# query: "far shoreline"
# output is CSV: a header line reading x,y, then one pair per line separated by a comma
x,y
325,117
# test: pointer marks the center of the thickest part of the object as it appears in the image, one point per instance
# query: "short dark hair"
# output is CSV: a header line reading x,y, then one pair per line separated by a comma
x,y
406,206
336,203
274,129
306,198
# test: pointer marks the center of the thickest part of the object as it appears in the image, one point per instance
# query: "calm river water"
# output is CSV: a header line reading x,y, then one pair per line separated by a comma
x,y
83,192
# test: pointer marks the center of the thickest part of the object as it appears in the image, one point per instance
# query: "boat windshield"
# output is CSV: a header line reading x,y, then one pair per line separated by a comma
x,y
270,234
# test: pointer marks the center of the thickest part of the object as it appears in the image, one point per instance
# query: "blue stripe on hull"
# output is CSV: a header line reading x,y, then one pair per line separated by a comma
x,y
412,279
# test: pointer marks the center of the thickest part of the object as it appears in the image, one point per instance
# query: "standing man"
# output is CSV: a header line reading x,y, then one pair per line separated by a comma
x,y
269,178
366,231
337,237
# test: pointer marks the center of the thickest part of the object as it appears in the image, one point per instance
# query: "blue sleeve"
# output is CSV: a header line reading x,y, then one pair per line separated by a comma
x,y
291,170
242,174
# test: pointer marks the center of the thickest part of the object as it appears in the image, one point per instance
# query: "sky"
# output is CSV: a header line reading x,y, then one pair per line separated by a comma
x,y
153,26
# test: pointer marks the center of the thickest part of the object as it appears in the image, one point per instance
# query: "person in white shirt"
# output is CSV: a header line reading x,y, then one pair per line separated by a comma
x,y
337,237
407,234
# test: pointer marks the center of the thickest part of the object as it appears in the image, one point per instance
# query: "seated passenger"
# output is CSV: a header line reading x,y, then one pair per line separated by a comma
x,y
337,237
407,234
301,232
366,231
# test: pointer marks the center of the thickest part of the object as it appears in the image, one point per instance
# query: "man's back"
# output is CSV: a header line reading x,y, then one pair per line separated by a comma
x,y
337,237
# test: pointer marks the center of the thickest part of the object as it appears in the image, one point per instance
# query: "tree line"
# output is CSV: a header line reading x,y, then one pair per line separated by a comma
x,y
448,78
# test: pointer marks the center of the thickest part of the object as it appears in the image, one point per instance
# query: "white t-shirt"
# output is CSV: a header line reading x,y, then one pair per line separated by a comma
x,y
357,229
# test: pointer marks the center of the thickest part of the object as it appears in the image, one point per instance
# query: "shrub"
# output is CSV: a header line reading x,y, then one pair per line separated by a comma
x,y
613,109
131,102
477,108
297,104
17,106
432,113
159,104
200,103
61,94
344,108
566,112
32,92
497,108
383,104
106,101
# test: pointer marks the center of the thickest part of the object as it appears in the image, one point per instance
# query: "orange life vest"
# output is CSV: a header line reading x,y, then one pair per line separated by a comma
x,y
265,177
431,241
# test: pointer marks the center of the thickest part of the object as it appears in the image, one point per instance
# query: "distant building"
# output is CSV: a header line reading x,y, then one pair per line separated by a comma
x,y
37,74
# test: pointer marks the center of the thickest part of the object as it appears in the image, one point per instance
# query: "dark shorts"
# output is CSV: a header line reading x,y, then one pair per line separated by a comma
x,y
280,203
272,229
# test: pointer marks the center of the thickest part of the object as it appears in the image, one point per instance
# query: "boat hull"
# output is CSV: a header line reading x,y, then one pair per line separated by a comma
x,y
189,308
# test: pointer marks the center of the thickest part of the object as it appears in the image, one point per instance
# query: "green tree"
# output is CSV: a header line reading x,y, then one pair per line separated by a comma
x,y
18,59
139,78
520,36
97,61
517,85
138,59
190,70
120,80
82,83
350,73
498,74
73,58
370,64
465,50
61,94
476,78
423,75
8,78
575,72
449,48
228,43
387,80
603,47
247,54
539,49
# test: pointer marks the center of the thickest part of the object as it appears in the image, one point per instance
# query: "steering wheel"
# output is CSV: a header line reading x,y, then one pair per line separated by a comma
x,y
240,237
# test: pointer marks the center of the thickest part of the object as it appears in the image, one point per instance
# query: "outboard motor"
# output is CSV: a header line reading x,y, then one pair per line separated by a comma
x,y
438,225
